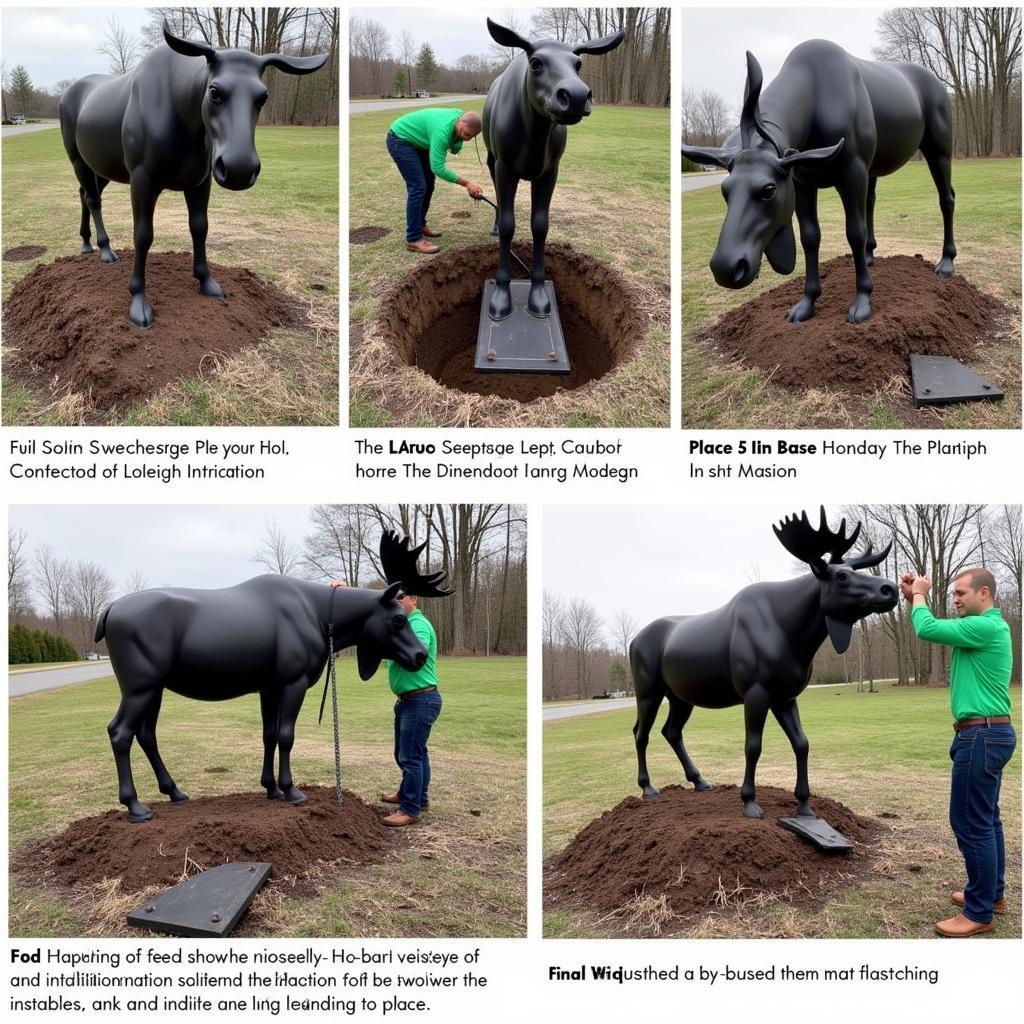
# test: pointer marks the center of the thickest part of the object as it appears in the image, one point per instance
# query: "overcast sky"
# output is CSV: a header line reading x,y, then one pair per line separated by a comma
x,y
664,560
54,43
175,545
452,32
716,39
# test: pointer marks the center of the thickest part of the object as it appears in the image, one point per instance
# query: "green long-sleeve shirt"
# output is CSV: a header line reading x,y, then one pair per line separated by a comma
x,y
432,129
403,681
979,673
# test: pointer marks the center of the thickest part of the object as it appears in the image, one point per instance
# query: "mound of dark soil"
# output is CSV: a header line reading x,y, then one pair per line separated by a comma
x,y
688,846
298,840
67,324
432,317
914,311
370,233
23,253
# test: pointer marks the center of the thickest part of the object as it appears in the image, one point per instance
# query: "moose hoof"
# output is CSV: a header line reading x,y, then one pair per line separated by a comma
x,y
701,785
804,810
294,796
650,793
176,796
141,312
494,230
751,810
211,289
107,255
538,304
86,249
802,311
501,303
869,259
275,793
860,310
944,268
138,812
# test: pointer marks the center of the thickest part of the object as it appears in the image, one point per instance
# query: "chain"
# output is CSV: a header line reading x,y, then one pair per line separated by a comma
x,y
334,708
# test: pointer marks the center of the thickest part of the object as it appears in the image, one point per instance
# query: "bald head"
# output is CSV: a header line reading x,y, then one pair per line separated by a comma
x,y
468,125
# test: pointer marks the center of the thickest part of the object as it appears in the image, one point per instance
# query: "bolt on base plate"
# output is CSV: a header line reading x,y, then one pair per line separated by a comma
x,y
521,343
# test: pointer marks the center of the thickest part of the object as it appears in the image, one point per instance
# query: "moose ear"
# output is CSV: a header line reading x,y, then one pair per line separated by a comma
x,y
187,47
781,250
811,156
389,595
602,45
367,661
840,633
506,37
294,65
719,157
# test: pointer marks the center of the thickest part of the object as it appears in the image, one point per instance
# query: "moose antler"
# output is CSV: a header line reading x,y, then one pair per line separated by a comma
x,y
750,117
398,560
808,544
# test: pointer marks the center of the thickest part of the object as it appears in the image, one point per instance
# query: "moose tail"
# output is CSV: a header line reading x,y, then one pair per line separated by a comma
x,y
101,624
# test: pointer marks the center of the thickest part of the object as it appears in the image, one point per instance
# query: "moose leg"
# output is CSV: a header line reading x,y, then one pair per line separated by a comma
x,y
871,243
147,740
197,200
270,708
490,168
505,185
541,192
85,230
90,191
291,704
854,193
939,165
679,712
122,730
788,716
144,196
755,710
810,239
647,706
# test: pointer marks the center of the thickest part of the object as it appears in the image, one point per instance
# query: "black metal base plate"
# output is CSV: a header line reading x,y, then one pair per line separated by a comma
x,y
817,831
943,380
521,343
206,905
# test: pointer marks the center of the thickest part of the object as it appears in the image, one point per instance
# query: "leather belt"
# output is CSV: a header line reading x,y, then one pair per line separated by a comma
x,y
966,723
425,689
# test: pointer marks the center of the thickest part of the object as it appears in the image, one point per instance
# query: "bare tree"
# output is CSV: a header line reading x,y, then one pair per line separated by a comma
x,y
52,579
552,628
581,634
18,601
120,47
369,40
134,582
275,552
89,589
407,50
623,627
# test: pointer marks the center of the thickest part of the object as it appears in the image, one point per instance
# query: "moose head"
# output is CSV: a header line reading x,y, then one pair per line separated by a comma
x,y
846,594
234,96
385,633
759,193
554,87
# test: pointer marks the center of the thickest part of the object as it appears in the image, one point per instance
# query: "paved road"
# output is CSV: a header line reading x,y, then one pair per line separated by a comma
x,y
692,182
591,707
374,106
25,129
20,683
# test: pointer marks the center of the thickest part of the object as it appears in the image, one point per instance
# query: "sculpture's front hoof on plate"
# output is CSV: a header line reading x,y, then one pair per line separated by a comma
x,y
501,303
860,310
107,255
944,268
650,793
538,305
701,784
751,810
804,810
802,311
211,289
138,812
141,313
294,795
176,796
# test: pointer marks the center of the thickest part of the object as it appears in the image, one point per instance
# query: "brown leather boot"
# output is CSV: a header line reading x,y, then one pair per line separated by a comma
x,y
961,927
430,232
423,246
400,819
999,906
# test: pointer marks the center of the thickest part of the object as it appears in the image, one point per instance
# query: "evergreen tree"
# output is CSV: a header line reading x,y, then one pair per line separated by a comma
x,y
426,65
22,90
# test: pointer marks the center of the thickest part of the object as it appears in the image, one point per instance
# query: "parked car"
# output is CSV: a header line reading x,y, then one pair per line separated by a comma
x,y
422,94
19,119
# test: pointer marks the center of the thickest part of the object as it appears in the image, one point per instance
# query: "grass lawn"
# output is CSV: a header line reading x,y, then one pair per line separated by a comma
x,y
987,229
457,874
611,202
884,752
284,229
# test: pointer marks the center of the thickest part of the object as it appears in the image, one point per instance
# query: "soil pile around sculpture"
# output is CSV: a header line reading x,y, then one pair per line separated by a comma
x,y
700,853
66,325
914,311
299,840
430,319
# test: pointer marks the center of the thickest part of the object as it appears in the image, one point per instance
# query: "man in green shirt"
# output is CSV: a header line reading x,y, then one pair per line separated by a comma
x,y
983,735
419,142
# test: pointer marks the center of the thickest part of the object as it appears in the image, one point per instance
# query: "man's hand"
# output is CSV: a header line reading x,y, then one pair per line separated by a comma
x,y
337,584
921,586
907,586
474,190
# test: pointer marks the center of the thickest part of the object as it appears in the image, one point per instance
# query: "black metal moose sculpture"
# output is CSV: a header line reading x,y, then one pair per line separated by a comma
x,y
757,651
828,120
525,115
268,635
185,115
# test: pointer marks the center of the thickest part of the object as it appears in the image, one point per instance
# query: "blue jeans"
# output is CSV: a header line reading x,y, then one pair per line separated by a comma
x,y
414,717
414,166
979,753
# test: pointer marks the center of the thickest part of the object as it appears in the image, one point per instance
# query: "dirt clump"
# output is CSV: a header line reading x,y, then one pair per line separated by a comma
x,y
299,840
700,853
67,329
914,311
431,318
461,215
365,235
23,253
